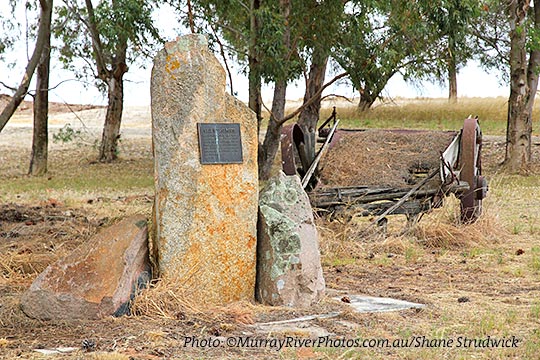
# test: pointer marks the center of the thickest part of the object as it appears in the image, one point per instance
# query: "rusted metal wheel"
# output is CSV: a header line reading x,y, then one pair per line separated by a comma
x,y
471,171
292,137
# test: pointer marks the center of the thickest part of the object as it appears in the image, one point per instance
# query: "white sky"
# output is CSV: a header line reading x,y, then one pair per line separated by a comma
x,y
472,81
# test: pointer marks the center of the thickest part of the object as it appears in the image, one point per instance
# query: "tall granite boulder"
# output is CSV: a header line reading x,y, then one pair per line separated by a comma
x,y
289,268
98,279
205,213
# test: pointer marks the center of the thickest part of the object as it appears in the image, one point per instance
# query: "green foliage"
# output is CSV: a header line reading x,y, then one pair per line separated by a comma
x,y
451,39
311,23
9,28
379,39
280,62
126,20
120,23
66,134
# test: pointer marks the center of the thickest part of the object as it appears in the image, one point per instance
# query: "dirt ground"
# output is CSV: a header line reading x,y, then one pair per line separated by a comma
x,y
477,281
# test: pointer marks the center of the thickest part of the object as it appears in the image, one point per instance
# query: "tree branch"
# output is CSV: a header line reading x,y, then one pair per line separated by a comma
x,y
22,90
242,4
96,41
223,55
312,99
7,86
336,96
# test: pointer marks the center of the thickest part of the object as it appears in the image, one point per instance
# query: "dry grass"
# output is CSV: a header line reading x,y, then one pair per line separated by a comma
x,y
382,158
108,356
164,299
433,114
442,228
346,239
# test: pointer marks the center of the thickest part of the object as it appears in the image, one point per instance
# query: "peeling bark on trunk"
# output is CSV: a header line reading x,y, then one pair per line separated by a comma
x,y
40,140
519,124
309,117
111,130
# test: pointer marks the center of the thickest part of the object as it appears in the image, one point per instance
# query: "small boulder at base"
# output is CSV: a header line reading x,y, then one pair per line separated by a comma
x,y
289,268
98,279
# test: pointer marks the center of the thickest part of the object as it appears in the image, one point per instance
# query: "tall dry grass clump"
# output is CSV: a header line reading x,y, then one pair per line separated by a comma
x,y
346,237
165,299
442,229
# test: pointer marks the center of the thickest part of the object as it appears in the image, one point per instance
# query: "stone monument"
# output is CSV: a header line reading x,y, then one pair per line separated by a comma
x,y
205,168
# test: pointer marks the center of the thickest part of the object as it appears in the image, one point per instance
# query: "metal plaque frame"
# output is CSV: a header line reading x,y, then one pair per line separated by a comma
x,y
220,143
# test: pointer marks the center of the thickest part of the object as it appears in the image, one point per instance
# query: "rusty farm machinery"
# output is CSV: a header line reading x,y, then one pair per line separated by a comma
x,y
386,172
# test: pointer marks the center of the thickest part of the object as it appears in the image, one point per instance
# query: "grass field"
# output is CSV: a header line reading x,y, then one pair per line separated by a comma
x,y
477,281
433,114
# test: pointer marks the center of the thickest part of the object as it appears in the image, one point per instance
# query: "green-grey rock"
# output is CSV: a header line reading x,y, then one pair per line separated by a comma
x,y
289,268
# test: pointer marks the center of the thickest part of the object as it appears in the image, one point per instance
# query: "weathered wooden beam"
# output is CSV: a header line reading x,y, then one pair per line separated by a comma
x,y
366,195
411,207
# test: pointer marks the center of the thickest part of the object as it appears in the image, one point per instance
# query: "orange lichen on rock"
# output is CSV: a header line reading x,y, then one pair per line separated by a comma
x,y
206,214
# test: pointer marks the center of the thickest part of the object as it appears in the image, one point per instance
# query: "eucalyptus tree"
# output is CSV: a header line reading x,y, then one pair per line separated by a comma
x,y
491,36
507,35
106,38
380,39
39,62
324,23
524,61
39,157
304,34
451,42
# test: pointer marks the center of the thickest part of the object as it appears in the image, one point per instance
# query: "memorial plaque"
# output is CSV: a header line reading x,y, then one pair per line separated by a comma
x,y
220,143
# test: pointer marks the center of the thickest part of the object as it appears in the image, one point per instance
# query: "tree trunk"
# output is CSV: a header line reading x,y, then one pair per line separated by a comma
x,y
108,151
22,90
309,117
273,131
113,77
38,161
452,74
271,144
366,100
533,68
255,101
519,125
